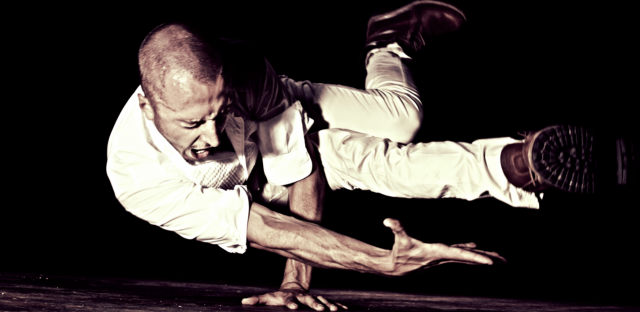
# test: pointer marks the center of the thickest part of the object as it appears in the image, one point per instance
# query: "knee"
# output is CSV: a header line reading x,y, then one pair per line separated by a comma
x,y
406,116
405,128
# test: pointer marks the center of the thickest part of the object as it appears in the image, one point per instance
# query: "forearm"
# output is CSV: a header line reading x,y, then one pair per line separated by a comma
x,y
312,244
306,197
306,200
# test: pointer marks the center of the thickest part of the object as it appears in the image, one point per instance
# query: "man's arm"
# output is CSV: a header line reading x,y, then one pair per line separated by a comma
x,y
316,246
320,247
306,199
306,202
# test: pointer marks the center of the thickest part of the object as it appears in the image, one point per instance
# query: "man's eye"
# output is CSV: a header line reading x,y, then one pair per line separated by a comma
x,y
191,126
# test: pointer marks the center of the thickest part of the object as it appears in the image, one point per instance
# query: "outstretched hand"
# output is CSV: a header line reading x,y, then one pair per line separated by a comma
x,y
409,254
290,295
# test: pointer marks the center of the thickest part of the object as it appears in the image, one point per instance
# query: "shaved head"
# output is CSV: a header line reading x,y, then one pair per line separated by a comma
x,y
177,49
184,91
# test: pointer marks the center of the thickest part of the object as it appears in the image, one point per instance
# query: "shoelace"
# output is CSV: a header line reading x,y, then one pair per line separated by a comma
x,y
525,135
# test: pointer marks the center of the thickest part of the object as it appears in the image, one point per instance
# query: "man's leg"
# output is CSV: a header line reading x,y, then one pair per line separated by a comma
x,y
390,107
354,160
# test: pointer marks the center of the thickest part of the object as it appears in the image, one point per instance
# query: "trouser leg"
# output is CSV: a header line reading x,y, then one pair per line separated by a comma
x,y
468,171
390,106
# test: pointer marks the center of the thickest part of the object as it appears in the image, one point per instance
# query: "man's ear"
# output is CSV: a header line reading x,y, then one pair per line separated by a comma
x,y
145,106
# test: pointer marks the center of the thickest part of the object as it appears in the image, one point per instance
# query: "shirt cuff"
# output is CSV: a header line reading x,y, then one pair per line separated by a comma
x,y
237,242
290,168
282,145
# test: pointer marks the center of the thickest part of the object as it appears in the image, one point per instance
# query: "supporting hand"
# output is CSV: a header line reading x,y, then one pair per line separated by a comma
x,y
409,254
290,295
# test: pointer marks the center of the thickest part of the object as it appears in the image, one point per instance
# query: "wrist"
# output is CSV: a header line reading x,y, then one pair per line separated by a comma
x,y
294,286
381,262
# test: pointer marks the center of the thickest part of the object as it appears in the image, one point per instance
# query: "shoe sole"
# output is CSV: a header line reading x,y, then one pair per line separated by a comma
x,y
410,6
565,158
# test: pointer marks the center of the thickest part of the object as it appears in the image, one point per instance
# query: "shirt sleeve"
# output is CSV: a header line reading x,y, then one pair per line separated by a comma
x,y
149,186
281,143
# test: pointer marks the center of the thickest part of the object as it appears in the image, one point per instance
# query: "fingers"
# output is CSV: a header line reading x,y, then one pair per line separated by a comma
x,y
311,302
333,306
472,246
492,254
466,245
292,300
272,300
290,303
457,261
318,303
453,253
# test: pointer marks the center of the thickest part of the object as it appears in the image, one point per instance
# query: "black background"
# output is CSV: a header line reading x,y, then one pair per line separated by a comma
x,y
518,65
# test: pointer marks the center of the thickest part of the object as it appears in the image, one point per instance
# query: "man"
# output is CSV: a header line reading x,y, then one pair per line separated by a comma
x,y
183,154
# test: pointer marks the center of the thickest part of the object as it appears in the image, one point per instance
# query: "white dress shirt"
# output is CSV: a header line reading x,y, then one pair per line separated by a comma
x,y
206,201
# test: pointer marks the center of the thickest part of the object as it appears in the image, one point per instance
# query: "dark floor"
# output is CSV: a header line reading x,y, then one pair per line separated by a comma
x,y
56,293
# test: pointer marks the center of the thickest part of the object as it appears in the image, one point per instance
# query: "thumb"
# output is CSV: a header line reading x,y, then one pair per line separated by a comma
x,y
402,240
395,226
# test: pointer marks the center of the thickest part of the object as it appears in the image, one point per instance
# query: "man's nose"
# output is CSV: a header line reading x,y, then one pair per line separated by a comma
x,y
209,135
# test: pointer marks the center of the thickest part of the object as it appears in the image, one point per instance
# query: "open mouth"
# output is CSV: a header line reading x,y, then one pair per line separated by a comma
x,y
200,153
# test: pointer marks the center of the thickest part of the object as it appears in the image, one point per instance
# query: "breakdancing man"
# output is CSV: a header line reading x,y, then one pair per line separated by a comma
x,y
213,137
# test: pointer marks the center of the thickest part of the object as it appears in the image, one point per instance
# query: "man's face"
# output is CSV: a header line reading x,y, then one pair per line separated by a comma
x,y
189,114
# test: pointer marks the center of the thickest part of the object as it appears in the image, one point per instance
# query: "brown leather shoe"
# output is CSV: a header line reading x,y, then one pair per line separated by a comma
x,y
559,156
413,25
